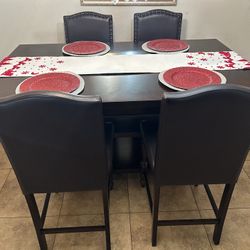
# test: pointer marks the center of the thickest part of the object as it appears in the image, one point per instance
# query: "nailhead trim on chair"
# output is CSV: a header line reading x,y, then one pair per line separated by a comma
x,y
155,12
94,14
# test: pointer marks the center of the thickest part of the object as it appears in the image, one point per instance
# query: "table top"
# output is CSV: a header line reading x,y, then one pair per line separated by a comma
x,y
123,94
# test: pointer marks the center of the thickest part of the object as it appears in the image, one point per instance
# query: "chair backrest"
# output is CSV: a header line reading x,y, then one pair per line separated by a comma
x,y
54,141
204,135
89,26
155,24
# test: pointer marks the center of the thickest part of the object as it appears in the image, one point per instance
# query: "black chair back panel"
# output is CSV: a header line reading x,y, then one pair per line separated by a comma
x,y
156,24
89,26
54,139
199,133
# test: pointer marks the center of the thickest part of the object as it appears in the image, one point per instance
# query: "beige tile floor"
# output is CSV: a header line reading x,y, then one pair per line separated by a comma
x,y
129,216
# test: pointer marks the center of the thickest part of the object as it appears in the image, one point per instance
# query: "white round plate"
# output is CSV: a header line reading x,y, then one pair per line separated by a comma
x,y
161,79
145,48
96,54
75,92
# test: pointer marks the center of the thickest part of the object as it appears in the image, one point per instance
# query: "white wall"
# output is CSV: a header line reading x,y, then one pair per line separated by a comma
x,y
40,21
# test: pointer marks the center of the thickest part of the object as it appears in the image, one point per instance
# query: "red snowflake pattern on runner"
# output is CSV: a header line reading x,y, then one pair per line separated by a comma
x,y
53,69
8,73
5,61
231,65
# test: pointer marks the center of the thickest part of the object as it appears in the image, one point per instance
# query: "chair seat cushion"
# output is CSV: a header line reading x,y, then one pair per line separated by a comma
x,y
149,131
109,131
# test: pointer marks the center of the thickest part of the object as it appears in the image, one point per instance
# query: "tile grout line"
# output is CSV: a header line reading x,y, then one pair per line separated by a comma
x,y
201,218
5,180
129,214
57,223
232,208
246,173
68,215
123,213
178,210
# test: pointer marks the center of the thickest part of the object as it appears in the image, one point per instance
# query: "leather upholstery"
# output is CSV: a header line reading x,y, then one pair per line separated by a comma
x,y
55,142
88,26
155,24
203,136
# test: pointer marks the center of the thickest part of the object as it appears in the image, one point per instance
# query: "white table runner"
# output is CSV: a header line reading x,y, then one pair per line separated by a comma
x,y
111,64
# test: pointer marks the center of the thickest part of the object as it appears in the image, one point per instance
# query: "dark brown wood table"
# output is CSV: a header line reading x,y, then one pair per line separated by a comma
x,y
127,98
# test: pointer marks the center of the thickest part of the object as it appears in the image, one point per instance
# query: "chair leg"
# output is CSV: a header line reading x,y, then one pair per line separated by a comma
x,y
143,167
106,218
155,215
225,200
36,220
141,179
144,178
148,192
111,182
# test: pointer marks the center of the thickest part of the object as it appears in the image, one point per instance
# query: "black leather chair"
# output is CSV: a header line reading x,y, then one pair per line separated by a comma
x,y
56,143
89,26
203,137
156,24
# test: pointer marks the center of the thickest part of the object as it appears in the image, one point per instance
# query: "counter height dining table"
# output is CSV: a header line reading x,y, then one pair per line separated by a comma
x,y
127,98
